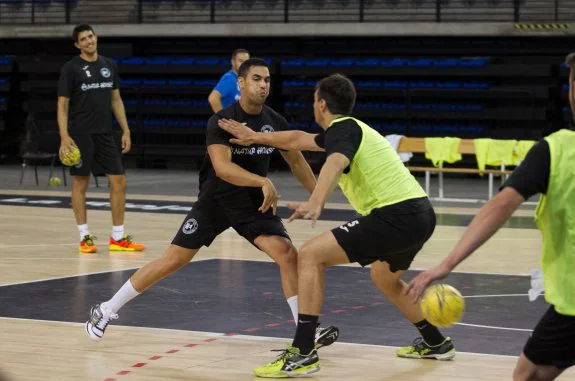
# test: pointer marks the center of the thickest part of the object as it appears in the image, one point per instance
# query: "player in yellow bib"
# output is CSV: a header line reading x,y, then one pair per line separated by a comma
x,y
396,220
548,169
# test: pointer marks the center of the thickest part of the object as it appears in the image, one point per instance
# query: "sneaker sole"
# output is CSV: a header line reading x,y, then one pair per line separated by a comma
x,y
442,357
327,338
87,251
301,374
119,248
90,334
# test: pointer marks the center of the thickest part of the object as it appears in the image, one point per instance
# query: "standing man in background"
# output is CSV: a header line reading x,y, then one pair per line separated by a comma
x,y
88,95
227,90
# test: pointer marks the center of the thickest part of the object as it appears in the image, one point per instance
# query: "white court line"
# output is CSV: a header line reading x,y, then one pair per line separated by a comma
x,y
367,267
83,274
495,327
235,337
493,296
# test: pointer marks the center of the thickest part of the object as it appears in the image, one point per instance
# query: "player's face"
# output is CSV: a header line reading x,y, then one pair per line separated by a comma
x,y
256,85
87,42
318,109
238,60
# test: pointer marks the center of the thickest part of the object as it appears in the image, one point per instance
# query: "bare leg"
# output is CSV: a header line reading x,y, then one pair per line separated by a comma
x,y
526,370
117,198
79,187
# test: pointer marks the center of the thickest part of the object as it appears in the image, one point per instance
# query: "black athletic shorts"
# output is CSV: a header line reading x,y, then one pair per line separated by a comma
x,y
209,218
393,234
100,153
553,341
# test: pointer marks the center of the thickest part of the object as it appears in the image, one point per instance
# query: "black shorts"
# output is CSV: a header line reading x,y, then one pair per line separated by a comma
x,y
100,155
393,234
208,219
553,341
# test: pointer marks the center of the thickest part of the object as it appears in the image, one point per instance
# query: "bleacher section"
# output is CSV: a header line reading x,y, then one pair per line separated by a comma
x,y
5,70
469,97
257,11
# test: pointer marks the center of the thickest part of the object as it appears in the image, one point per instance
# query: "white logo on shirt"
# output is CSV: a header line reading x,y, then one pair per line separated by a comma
x,y
101,85
267,128
190,226
106,73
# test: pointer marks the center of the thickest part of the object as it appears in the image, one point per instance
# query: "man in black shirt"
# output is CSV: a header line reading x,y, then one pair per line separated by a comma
x,y
88,95
234,192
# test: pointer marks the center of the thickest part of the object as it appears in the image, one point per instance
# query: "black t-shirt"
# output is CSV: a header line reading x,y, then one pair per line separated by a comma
x,y
255,158
89,86
532,175
343,137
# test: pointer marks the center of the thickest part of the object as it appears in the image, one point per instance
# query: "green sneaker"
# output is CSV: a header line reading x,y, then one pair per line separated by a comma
x,y
290,363
421,350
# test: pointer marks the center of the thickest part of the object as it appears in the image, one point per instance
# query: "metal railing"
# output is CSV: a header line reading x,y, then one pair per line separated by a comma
x,y
42,12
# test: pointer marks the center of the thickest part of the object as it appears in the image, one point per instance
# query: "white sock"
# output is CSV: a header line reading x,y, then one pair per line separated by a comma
x,y
117,232
83,229
123,296
292,301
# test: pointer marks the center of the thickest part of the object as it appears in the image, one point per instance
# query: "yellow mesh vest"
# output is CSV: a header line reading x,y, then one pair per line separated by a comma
x,y
555,217
377,177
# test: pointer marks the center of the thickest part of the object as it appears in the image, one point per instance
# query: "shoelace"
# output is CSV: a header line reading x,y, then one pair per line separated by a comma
x,y
418,344
105,320
284,354
89,240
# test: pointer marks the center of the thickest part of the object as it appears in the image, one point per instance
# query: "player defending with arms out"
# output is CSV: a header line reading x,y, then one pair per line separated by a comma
x,y
88,95
397,219
234,192
548,169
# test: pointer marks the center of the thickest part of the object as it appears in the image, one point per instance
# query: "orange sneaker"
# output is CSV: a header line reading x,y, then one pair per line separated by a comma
x,y
125,244
87,245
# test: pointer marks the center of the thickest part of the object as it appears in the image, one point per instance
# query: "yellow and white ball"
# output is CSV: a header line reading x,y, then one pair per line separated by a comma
x,y
70,157
442,305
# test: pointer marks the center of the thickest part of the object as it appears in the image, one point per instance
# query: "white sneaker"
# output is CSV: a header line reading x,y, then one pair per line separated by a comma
x,y
99,320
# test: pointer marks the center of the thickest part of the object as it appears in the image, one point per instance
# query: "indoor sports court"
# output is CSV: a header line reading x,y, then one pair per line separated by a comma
x,y
462,90
222,314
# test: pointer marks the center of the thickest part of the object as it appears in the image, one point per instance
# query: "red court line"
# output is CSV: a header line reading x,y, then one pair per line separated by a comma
x,y
254,329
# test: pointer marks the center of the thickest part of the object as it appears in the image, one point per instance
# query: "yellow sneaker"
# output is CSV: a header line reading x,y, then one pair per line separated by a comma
x,y
290,363
87,245
125,244
421,350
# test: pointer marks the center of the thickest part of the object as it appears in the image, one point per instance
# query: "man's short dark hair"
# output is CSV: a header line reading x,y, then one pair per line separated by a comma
x,y
338,92
81,28
247,65
239,51
570,60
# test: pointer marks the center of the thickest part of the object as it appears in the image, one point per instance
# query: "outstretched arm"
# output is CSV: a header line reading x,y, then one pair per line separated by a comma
x,y
328,179
286,140
486,223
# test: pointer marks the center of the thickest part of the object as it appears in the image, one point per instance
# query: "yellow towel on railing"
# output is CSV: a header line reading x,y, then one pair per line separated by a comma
x,y
523,146
439,150
494,152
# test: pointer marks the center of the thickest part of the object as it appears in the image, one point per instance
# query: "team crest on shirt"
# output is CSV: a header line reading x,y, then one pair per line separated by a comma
x,y
106,73
190,226
267,128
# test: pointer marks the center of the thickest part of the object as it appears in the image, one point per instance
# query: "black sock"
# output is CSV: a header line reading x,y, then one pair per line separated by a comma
x,y
304,338
430,333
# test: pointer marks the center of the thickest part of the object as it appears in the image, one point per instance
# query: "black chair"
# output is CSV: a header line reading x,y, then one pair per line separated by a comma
x,y
32,154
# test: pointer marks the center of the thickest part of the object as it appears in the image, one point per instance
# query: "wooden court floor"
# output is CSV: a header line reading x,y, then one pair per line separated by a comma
x,y
40,243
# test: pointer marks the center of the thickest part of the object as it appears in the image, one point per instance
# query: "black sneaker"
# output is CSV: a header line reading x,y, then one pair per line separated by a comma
x,y
99,320
421,350
325,336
